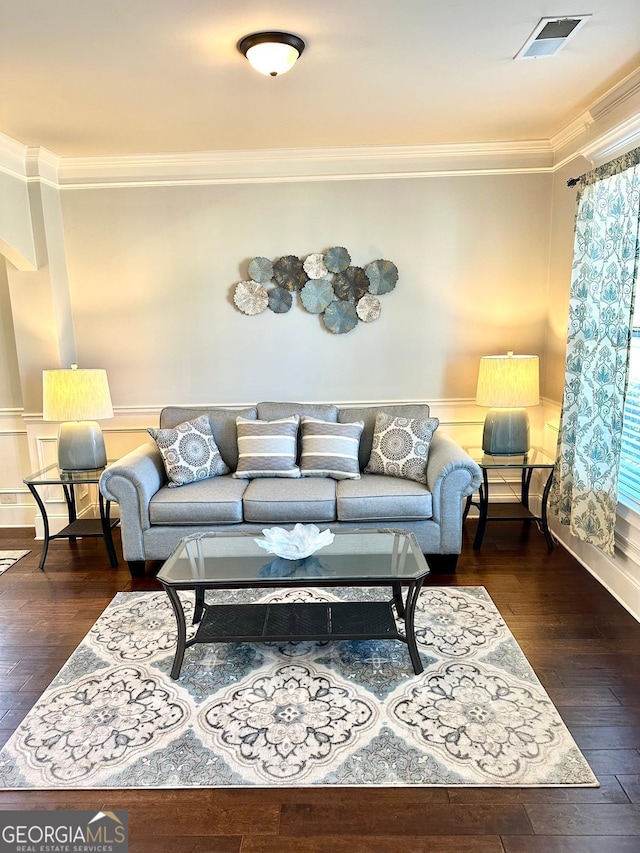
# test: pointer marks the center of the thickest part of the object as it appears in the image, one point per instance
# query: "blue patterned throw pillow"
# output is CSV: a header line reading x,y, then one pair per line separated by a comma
x,y
401,447
189,452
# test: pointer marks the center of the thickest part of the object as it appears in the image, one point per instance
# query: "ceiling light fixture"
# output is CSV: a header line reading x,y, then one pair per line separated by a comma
x,y
272,53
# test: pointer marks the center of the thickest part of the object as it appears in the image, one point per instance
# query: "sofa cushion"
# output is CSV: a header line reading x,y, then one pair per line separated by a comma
x,y
267,448
215,501
330,450
368,415
322,411
374,497
189,452
401,447
305,500
223,425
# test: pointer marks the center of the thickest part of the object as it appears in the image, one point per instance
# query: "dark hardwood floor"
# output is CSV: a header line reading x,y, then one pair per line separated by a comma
x,y
583,645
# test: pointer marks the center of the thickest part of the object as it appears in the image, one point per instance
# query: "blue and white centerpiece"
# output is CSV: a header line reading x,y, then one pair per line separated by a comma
x,y
296,544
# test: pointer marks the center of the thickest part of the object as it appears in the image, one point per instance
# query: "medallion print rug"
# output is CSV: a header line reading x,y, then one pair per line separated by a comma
x,y
8,558
295,714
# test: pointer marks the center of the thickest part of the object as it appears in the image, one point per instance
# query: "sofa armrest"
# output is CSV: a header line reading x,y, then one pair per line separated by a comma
x,y
131,482
451,476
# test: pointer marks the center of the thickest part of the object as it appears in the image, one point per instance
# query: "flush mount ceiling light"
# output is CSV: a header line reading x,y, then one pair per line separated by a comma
x,y
272,53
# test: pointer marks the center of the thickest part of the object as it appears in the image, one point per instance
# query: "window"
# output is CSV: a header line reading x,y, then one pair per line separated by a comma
x,y
629,476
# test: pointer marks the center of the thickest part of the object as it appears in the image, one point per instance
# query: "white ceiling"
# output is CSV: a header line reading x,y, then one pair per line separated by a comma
x,y
113,77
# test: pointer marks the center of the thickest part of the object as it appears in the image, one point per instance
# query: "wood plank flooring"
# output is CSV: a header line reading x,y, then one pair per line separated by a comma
x,y
583,645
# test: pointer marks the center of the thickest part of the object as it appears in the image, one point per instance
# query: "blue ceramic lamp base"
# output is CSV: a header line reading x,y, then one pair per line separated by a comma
x,y
81,446
506,432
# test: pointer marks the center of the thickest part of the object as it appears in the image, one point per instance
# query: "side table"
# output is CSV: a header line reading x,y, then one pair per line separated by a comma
x,y
52,475
527,463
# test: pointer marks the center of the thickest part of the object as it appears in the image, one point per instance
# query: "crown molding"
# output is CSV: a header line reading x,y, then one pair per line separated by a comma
x,y
42,165
28,163
607,127
617,96
12,156
608,145
303,164
575,129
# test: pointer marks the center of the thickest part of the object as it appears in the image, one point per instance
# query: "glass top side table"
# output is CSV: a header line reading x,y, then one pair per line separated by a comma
x,y
527,463
53,475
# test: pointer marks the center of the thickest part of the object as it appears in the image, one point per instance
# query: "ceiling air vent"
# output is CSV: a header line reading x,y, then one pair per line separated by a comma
x,y
550,36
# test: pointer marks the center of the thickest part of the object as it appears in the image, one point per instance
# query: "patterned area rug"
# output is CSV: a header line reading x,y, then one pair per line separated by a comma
x,y
295,714
8,558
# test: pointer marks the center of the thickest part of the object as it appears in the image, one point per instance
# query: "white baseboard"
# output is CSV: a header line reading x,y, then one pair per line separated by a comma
x,y
619,575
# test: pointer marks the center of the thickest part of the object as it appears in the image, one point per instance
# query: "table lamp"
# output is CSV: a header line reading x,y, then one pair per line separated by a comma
x,y
507,383
78,398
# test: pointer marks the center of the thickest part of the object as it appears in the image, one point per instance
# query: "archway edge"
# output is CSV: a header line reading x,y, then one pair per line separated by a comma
x,y
16,258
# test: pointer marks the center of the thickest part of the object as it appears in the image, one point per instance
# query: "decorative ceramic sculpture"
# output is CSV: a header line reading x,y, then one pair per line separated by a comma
x,y
280,300
329,286
261,270
368,308
337,259
302,541
289,273
250,297
314,265
340,317
351,285
317,295
382,276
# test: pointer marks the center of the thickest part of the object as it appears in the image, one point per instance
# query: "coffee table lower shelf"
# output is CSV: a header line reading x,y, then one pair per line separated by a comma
x,y
284,622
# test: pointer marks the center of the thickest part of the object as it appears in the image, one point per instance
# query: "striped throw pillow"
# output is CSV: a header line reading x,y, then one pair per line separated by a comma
x,y
267,448
330,450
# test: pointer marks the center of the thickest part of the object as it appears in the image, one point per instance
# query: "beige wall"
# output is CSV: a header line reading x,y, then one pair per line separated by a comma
x,y
152,272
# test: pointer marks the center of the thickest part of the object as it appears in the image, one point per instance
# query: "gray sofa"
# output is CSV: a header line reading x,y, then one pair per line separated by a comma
x,y
154,517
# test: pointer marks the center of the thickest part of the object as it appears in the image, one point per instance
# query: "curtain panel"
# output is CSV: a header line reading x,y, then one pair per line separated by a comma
x,y
603,284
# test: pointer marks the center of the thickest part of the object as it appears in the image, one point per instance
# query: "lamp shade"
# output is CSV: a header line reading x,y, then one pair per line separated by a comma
x,y
508,381
78,398
75,395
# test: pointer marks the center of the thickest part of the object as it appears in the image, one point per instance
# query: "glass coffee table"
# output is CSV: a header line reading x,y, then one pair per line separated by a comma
x,y
217,561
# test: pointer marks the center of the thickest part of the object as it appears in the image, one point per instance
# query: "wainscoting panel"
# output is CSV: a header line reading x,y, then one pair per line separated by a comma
x,y
16,504
27,444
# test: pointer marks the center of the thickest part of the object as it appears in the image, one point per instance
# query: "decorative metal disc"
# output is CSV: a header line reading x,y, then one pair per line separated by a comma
x,y
382,276
368,308
351,285
261,270
250,297
314,266
337,259
340,317
280,300
288,273
317,295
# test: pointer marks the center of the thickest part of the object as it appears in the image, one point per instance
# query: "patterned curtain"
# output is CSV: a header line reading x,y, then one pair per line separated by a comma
x,y
605,271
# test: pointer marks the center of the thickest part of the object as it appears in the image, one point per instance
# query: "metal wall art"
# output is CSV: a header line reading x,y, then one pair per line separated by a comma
x,y
329,285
